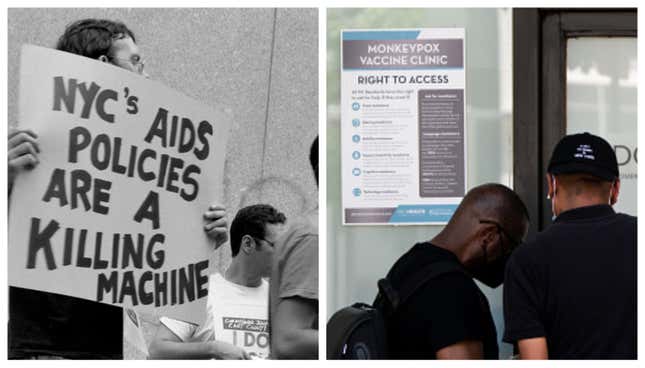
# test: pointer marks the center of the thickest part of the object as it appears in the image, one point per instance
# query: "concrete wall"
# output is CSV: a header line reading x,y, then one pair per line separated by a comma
x,y
260,65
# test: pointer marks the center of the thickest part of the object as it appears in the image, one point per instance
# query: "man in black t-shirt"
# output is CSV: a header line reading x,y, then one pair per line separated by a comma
x,y
571,292
449,317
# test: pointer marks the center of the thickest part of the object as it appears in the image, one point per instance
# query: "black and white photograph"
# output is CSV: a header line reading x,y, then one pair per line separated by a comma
x,y
162,183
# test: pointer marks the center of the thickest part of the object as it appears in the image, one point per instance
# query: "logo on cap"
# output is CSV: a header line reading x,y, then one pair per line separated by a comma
x,y
584,151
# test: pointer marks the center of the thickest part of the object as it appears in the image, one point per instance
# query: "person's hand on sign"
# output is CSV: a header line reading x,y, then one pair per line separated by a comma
x,y
216,225
22,152
226,351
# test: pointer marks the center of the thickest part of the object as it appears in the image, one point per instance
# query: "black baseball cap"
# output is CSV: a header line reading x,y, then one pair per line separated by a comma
x,y
584,153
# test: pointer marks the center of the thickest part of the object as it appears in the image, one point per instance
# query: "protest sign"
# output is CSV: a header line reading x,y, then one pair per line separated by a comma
x,y
113,211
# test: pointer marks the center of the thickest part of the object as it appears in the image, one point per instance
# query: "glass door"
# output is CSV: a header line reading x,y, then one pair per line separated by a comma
x,y
601,99
574,71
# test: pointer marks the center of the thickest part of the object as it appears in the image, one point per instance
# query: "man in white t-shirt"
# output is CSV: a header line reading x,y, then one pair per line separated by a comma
x,y
236,326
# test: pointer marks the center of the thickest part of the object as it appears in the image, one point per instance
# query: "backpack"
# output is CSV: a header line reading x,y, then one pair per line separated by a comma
x,y
359,331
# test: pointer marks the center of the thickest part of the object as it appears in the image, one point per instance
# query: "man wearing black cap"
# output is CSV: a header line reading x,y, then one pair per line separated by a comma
x,y
571,292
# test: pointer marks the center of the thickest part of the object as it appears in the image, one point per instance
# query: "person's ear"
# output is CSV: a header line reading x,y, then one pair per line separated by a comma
x,y
487,237
551,188
247,244
104,58
615,190
490,235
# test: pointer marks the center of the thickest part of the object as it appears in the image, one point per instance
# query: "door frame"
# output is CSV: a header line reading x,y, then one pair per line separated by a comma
x,y
539,90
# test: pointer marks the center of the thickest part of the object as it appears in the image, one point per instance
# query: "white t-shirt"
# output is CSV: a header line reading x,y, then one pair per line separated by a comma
x,y
235,314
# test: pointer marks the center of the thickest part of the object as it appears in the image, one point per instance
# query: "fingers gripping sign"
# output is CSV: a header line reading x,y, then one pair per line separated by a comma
x,y
216,225
23,151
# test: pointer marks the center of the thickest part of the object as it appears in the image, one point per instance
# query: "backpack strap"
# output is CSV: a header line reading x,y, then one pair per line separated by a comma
x,y
389,299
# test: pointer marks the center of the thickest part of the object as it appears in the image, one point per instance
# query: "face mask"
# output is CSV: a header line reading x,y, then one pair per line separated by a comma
x,y
491,274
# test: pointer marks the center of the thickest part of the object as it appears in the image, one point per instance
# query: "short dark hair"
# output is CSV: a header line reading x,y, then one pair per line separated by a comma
x,y
92,37
579,184
313,157
251,220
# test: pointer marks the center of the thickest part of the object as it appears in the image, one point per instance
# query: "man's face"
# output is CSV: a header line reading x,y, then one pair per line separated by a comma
x,y
494,246
510,238
125,54
265,247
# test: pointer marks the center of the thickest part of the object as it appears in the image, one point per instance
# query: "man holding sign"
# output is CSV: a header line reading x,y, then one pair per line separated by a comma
x,y
103,40
237,321
45,318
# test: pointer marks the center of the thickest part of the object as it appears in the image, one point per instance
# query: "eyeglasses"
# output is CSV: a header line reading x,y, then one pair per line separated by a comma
x,y
137,62
270,243
514,241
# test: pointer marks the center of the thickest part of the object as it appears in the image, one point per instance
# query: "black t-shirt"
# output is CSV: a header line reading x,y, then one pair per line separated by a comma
x,y
575,284
43,323
446,310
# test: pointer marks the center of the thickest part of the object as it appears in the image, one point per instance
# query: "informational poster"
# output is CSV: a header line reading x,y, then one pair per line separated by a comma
x,y
113,212
403,131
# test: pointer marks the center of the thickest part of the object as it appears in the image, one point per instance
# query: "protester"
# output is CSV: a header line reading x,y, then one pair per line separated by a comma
x,y
293,297
448,317
42,324
571,292
241,294
104,40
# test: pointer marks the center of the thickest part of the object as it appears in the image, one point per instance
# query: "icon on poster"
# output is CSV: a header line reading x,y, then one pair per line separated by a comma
x,y
356,106
356,138
357,192
356,123
356,171
356,155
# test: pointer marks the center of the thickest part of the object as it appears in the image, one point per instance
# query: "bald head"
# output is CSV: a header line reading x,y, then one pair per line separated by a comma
x,y
488,224
492,202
